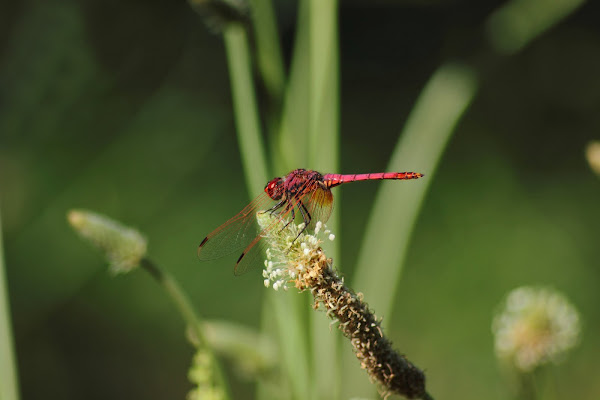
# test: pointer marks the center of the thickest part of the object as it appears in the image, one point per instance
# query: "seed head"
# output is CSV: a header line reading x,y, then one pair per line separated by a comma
x,y
202,375
535,326
297,257
123,247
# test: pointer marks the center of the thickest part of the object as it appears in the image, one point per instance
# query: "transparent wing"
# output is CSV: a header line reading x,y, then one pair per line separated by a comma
x,y
242,230
255,253
235,234
319,204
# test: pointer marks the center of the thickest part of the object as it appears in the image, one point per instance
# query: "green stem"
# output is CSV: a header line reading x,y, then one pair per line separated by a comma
x,y
291,331
291,146
323,99
9,381
253,159
246,110
179,298
270,63
193,321
323,155
268,51
516,23
528,387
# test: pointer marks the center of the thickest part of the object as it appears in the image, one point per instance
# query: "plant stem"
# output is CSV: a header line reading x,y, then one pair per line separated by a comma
x,y
268,51
323,155
291,149
246,110
188,313
516,23
528,386
9,381
253,159
270,63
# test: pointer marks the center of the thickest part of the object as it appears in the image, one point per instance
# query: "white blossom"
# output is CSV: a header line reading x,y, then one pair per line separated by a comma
x,y
536,326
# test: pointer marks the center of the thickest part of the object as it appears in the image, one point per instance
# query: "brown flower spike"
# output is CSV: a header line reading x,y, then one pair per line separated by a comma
x,y
303,263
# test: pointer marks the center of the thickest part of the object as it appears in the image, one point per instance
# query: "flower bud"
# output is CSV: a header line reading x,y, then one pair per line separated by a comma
x,y
122,246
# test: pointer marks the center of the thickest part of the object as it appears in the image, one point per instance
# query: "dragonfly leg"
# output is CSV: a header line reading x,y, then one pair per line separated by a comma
x,y
290,221
277,206
305,216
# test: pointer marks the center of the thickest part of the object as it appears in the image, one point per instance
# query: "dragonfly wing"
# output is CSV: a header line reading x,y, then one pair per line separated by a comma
x,y
319,203
255,253
236,233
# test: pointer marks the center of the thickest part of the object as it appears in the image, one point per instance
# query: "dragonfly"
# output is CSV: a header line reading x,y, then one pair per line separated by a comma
x,y
302,191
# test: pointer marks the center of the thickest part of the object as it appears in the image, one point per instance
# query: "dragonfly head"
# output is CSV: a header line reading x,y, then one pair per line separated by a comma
x,y
275,188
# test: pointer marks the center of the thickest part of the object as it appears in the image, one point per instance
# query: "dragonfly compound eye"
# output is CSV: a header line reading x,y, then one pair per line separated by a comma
x,y
275,188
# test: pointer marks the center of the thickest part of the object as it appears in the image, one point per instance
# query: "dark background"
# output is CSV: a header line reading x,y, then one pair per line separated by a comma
x,y
124,107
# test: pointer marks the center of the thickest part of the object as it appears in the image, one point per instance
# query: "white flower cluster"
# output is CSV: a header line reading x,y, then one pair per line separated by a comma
x,y
289,250
536,326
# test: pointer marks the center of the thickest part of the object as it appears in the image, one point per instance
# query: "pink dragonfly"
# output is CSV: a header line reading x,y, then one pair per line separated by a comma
x,y
305,191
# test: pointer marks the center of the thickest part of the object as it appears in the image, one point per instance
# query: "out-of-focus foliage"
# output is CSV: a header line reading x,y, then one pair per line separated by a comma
x,y
124,107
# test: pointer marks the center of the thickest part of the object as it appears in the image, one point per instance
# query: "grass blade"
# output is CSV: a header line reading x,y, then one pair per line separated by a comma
x,y
323,155
9,389
268,50
291,150
246,110
286,313
429,127
431,123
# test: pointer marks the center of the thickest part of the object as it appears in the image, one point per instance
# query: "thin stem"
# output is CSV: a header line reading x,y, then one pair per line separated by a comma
x,y
516,23
9,387
268,51
291,150
528,386
253,158
270,63
179,298
188,313
323,155
293,345
246,110
323,99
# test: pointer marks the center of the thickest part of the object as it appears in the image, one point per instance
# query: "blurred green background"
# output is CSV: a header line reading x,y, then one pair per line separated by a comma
x,y
124,107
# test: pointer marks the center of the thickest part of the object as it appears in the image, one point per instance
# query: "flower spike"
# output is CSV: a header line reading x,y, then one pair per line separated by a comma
x,y
296,257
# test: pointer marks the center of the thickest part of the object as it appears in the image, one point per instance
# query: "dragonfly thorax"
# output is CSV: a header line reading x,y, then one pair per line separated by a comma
x,y
275,188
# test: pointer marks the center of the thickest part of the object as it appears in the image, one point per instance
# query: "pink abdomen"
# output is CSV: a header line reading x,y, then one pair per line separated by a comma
x,y
332,180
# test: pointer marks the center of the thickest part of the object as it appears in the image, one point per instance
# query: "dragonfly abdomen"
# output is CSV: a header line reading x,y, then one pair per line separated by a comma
x,y
332,180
